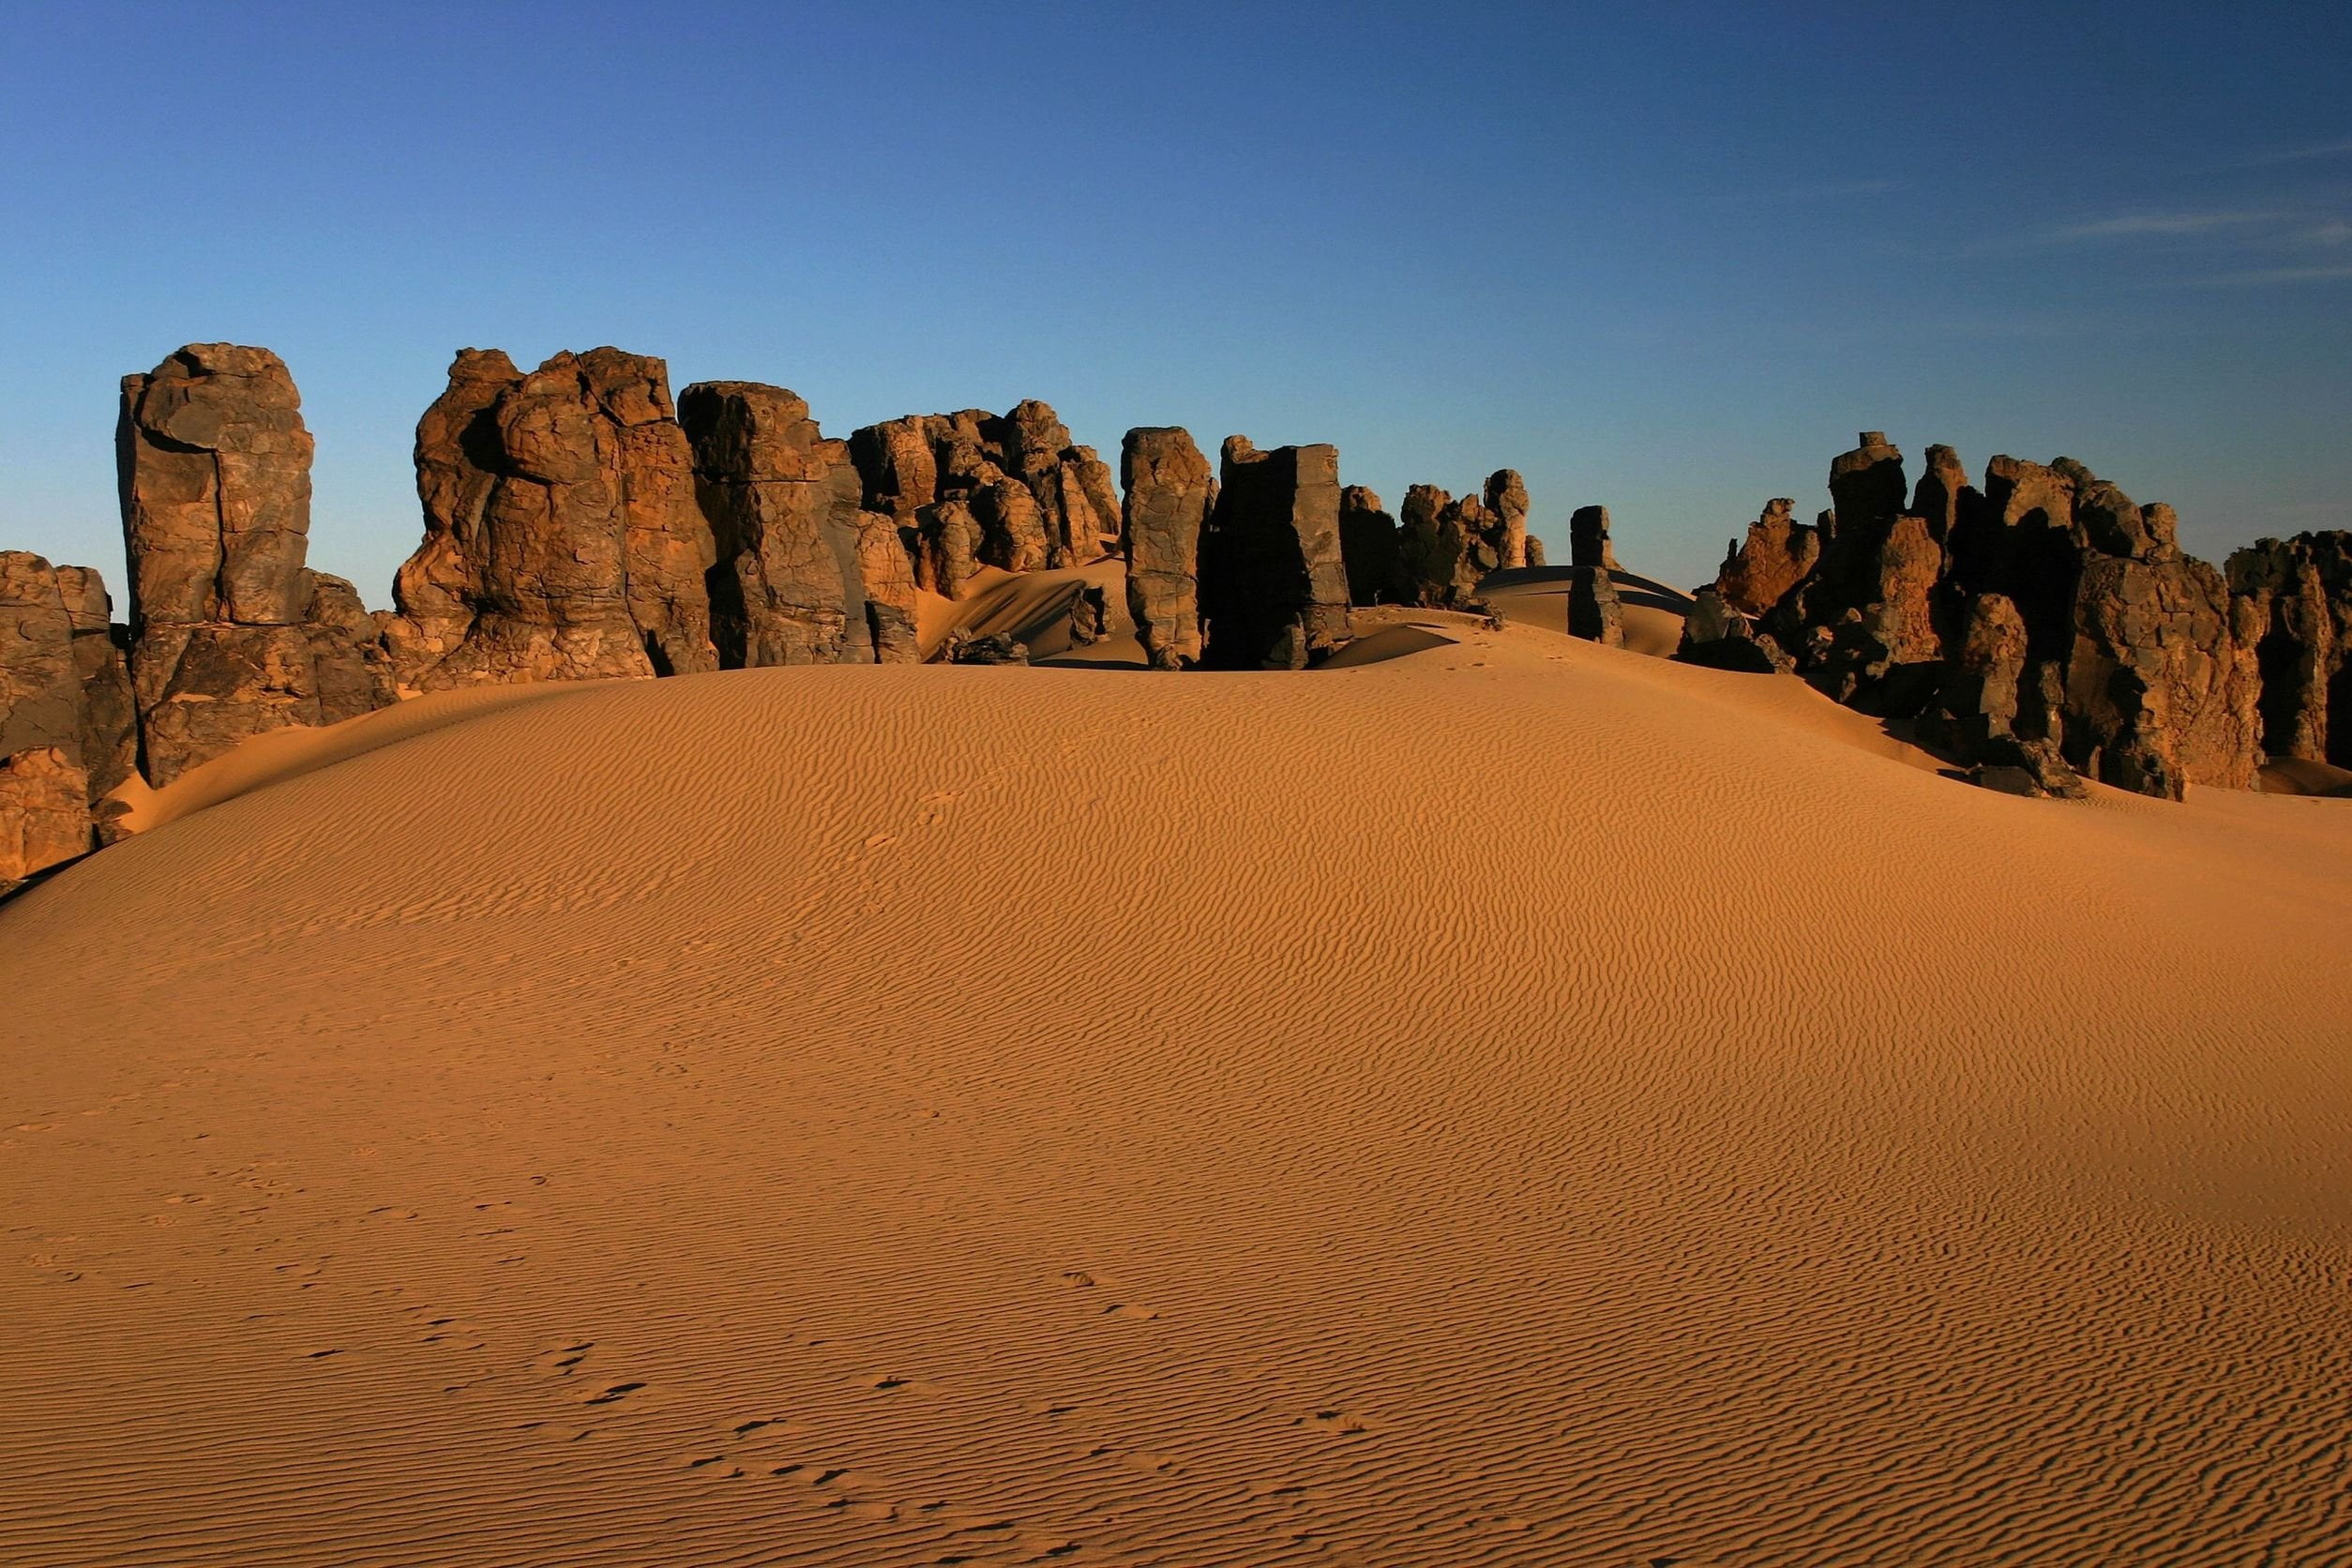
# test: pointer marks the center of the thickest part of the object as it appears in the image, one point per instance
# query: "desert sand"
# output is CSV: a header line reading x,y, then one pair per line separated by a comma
x,y
1516,1102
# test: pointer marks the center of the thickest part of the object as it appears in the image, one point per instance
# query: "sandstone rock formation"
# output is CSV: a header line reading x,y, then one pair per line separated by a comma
x,y
1589,538
1716,635
44,812
1594,611
1041,499
1444,548
2041,624
1371,546
1777,554
1274,590
561,538
2298,600
787,533
1169,495
226,639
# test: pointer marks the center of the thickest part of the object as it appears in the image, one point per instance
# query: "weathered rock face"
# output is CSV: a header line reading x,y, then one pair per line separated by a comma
x,y
215,468
1594,611
1589,538
1442,547
1273,589
2297,603
947,547
110,719
1776,555
1169,495
562,540
1429,555
41,687
2162,688
44,812
1373,549
1066,513
1507,503
1716,635
786,529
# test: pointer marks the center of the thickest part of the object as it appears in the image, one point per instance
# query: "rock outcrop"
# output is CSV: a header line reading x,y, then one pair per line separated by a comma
x,y
561,538
1589,539
790,540
1442,547
1721,638
1273,589
1169,495
2298,601
1777,554
2042,624
1372,547
44,812
1041,499
227,640
1595,612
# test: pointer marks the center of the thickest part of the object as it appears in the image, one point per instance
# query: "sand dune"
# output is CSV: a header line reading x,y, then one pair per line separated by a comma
x,y
1515,1102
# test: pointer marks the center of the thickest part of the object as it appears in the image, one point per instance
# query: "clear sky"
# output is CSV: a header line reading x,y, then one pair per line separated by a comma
x,y
1665,257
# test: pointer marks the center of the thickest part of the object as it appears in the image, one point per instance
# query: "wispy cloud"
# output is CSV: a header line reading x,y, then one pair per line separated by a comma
x,y
2263,276
2301,154
2137,224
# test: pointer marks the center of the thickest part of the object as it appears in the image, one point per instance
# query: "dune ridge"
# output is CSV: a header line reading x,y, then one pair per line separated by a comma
x,y
1517,1102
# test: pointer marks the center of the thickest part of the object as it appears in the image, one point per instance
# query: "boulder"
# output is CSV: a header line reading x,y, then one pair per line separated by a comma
x,y
40,685
1719,637
562,537
787,533
995,648
1274,588
1169,495
2163,687
215,468
1759,571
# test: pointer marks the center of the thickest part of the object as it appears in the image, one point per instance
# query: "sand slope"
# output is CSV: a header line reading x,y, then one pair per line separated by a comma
x,y
1518,1102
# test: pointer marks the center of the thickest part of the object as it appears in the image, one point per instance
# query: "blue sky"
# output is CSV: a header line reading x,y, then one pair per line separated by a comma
x,y
1667,258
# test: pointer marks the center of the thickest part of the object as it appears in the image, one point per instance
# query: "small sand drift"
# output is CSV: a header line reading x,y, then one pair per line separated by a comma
x,y
1513,1102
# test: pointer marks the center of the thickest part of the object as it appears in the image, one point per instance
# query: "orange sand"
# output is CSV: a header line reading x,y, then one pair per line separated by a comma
x,y
1517,1102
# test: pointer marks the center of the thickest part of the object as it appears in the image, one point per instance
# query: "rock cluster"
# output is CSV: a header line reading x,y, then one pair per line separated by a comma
x,y
2041,625
976,488
1273,589
1439,549
2038,627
